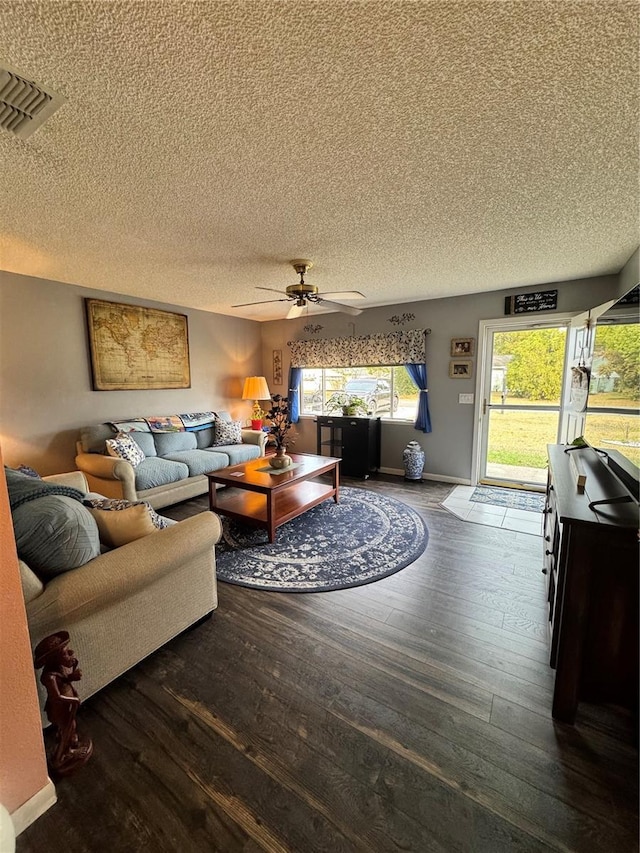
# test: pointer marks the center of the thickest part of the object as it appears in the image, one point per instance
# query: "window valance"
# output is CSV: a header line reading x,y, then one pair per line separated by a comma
x,y
405,347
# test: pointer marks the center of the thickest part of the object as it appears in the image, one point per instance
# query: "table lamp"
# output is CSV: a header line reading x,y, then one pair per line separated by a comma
x,y
256,388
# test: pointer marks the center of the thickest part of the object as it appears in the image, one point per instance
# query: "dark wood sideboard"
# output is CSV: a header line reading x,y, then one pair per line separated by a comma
x,y
355,440
591,563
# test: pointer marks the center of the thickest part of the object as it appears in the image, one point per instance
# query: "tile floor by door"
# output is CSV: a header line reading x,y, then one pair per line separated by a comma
x,y
459,503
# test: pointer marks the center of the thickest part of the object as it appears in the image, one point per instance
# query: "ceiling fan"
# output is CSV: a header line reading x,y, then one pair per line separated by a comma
x,y
302,294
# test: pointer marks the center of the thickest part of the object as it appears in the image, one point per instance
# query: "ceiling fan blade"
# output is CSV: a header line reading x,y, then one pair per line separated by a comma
x,y
342,294
264,302
346,309
295,311
271,289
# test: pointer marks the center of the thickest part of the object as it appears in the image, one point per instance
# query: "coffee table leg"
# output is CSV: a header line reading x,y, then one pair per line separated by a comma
x,y
336,481
271,527
212,496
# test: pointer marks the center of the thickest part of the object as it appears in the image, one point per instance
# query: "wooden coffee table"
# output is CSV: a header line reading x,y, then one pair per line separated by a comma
x,y
265,497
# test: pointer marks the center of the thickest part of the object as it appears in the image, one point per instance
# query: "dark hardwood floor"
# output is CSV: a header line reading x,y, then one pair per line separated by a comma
x,y
412,714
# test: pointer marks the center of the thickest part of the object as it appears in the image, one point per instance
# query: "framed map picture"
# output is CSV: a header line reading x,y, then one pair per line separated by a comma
x,y
134,348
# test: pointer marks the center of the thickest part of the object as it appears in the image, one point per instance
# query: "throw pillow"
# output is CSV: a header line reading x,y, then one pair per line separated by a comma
x,y
227,433
120,522
28,471
55,533
124,447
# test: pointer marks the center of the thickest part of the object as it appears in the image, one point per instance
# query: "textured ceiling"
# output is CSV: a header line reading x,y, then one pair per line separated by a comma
x,y
412,150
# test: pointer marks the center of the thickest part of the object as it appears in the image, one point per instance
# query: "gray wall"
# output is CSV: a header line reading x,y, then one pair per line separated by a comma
x,y
448,449
46,393
629,274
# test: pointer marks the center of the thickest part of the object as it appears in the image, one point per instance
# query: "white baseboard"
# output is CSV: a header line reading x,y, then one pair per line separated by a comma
x,y
30,811
442,478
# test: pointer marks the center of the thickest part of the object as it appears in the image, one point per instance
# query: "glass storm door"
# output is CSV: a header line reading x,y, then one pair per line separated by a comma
x,y
520,401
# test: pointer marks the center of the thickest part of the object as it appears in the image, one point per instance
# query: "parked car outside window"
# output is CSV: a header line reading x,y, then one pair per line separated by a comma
x,y
375,392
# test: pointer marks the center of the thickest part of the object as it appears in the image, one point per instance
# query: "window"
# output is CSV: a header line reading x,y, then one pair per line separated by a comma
x,y
387,392
613,420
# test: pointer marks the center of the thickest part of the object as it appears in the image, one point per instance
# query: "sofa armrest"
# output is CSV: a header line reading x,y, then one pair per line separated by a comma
x,y
255,436
120,573
108,475
75,479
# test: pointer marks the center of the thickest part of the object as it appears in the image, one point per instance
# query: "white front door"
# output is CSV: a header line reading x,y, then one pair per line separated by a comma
x,y
522,390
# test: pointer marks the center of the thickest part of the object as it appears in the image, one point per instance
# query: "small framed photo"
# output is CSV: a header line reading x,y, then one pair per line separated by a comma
x,y
277,367
461,368
462,346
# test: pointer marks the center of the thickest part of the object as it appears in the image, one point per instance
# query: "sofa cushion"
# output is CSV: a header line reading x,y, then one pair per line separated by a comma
x,y
205,438
55,533
200,461
227,433
32,586
237,453
124,447
170,442
145,442
159,472
120,522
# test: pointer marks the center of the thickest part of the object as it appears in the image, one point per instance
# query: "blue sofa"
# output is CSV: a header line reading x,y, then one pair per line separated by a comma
x,y
175,461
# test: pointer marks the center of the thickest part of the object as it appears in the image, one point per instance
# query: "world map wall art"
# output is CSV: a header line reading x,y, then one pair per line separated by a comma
x,y
134,348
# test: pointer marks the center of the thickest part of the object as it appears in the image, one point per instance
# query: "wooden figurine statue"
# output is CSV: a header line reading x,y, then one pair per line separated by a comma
x,y
60,670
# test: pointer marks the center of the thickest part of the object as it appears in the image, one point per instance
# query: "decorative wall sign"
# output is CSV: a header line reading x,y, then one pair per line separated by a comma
x,y
524,303
462,346
277,367
135,348
461,368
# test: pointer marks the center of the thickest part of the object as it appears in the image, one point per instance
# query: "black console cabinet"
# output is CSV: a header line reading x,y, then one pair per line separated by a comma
x,y
354,440
591,564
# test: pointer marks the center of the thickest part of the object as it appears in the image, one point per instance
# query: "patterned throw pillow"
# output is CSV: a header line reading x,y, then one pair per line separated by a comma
x,y
227,433
122,521
124,447
28,471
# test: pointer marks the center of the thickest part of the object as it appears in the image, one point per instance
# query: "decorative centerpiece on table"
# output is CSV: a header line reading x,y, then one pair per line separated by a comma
x,y
348,403
280,425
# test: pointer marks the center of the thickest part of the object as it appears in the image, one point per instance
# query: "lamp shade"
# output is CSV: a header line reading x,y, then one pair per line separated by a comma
x,y
256,388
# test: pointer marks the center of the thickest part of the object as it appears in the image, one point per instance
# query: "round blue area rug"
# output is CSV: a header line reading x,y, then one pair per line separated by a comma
x,y
365,537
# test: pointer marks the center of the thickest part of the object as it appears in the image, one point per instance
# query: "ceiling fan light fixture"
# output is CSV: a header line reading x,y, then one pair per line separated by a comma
x,y
303,294
302,289
301,265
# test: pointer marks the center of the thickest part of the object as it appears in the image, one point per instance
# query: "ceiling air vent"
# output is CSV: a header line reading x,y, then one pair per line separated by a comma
x,y
24,105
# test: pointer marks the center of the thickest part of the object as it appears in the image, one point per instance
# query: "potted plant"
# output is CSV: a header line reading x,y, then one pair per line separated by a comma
x,y
348,403
280,424
257,416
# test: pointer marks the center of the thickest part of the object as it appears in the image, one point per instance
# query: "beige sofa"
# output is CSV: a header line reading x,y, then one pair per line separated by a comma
x,y
174,466
127,602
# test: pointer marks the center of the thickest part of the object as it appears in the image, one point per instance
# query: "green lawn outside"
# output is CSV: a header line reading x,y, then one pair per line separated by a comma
x,y
611,399
520,438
